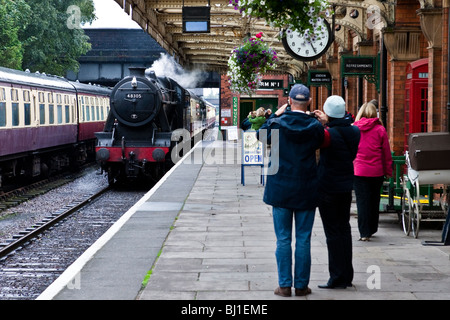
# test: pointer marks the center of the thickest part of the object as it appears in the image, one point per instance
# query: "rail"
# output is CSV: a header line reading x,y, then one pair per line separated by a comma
x,y
46,223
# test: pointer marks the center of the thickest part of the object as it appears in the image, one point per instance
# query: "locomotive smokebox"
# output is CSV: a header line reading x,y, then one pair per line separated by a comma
x,y
137,71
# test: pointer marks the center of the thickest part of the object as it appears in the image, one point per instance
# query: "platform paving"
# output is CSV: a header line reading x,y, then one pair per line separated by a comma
x,y
222,247
205,236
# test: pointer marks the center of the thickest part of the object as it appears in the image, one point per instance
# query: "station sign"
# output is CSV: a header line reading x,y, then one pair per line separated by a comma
x,y
270,84
252,149
359,65
252,153
196,19
235,110
317,78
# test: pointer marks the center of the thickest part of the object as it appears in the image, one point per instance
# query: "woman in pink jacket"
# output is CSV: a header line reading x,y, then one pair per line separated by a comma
x,y
373,162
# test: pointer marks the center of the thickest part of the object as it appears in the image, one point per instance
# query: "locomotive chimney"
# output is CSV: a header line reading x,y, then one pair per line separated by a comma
x,y
137,71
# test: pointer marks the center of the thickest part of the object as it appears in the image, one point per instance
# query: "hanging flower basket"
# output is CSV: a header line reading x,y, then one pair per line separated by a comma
x,y
300,15
247,64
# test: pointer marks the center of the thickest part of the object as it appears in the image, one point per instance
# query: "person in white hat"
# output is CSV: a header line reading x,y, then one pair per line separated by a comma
x,y
335,189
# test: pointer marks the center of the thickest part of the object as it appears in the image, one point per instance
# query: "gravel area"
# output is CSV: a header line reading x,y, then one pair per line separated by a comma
x,y
15,219
30,270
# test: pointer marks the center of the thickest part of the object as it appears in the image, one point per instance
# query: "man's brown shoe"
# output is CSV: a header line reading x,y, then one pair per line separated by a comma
x,y
283,291
302,292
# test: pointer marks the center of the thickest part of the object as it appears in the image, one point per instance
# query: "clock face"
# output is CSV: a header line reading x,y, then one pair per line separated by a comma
x,y
308,48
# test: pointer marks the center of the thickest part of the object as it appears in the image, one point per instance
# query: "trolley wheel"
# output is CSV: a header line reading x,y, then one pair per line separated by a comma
x,y
415,214
406,210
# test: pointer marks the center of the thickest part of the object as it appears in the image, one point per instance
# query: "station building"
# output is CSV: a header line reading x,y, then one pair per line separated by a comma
x,y
402,61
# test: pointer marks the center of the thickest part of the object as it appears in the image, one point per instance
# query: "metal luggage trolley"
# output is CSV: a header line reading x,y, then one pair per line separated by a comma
x,y
425,197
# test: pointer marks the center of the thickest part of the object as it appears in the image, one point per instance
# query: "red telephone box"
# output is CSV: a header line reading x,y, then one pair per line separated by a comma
x,y
416,98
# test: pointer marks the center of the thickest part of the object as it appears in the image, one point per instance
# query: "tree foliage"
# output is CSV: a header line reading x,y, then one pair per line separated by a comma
x,y
13,16
46,35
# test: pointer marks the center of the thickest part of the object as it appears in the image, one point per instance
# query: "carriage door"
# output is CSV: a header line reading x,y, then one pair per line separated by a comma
x,y
416,98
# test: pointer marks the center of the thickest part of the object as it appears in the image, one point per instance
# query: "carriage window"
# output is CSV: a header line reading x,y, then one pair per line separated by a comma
x,y
51,114
27,113
81,106
42,113
102,110
67,109
26,96
97,109
14,95
2,113
93,113
59,115
2,94
15,114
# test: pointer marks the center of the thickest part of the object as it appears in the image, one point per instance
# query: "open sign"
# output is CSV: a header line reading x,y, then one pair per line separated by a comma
x,y
252,153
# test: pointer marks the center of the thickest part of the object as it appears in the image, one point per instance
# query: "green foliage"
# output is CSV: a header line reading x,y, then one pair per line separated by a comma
x,y
53,40
44,35
13,16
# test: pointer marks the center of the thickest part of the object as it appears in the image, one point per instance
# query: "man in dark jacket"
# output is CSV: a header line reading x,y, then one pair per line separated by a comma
x,y
335,189
292,189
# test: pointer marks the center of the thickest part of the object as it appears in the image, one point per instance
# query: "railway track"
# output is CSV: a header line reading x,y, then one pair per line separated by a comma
x,y
35,230
32,259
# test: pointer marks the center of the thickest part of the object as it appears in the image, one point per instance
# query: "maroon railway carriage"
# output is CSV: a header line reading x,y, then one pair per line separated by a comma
x,y
46,123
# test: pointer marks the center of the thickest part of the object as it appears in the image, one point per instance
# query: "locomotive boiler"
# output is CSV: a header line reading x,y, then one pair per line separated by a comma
x,y
145,111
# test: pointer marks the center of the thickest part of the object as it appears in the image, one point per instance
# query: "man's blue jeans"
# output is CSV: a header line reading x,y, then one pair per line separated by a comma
x,y
283,220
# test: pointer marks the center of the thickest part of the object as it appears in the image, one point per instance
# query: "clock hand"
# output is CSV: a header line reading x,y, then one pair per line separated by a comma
x,y
315,50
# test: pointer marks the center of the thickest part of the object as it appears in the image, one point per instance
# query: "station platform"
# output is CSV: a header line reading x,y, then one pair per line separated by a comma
x,y
200,234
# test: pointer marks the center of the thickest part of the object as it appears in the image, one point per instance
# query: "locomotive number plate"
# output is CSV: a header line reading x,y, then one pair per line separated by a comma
x,y
134,95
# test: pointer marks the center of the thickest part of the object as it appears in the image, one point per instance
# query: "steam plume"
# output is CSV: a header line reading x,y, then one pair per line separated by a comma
x,y
166,66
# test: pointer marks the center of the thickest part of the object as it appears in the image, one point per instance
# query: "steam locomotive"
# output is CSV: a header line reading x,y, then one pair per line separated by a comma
x,y
146,110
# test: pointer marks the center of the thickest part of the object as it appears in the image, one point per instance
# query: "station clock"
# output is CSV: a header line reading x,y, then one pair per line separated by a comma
x,y
305,48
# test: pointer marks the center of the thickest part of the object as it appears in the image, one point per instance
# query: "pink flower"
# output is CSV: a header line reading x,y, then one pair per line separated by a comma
x,y
259,35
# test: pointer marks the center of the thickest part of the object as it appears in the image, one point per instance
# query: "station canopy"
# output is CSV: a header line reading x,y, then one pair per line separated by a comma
x,y
163,20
